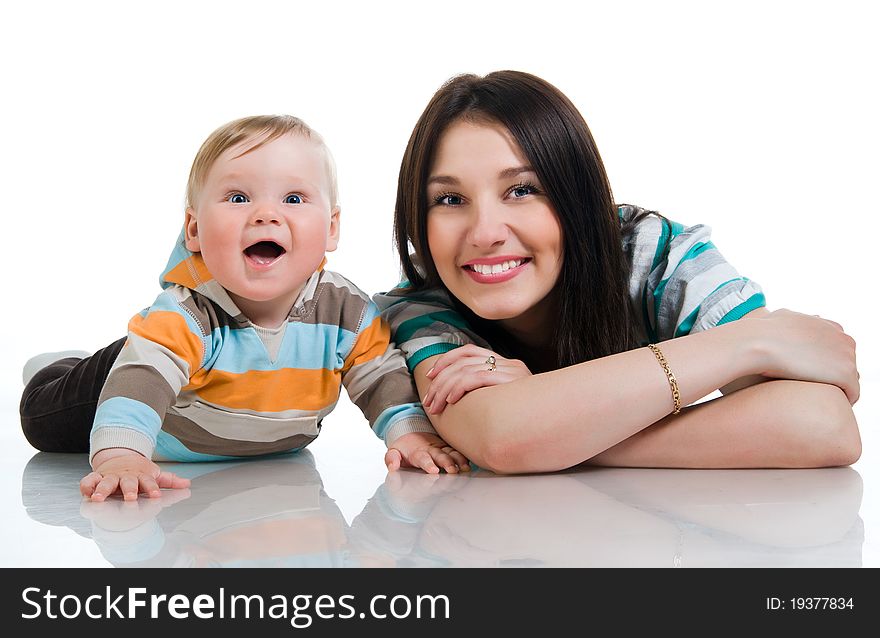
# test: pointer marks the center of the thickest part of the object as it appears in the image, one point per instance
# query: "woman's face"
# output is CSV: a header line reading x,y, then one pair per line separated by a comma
x,y
493,235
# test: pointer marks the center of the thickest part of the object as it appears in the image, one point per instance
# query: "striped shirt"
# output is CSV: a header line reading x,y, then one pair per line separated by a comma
x,y
679,284
197,381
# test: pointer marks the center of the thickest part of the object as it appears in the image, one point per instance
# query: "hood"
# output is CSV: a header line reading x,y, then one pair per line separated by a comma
x,y
186,268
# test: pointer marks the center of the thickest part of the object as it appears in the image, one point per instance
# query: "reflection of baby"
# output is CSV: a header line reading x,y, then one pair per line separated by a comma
x,y
268,512
616,518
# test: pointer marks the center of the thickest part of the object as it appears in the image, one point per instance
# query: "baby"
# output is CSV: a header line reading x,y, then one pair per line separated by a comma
x,y
244,351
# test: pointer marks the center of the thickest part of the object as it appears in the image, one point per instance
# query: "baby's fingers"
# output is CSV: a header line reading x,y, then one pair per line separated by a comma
x,y
460,460
106,486
170,480
149,486
422,459
128,485
88,483
443,459
393,459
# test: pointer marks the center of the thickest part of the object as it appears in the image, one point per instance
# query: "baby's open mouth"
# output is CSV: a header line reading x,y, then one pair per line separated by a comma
x,y
264,252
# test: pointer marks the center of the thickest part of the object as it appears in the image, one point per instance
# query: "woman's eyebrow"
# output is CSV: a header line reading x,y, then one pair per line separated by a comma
x,y
507,173
443,179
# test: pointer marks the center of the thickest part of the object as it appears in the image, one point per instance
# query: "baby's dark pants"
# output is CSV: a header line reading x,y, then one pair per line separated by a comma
x,y
58,405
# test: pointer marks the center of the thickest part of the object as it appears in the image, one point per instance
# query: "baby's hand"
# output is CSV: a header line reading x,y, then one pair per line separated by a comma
x,y
128,472
427,451
467,368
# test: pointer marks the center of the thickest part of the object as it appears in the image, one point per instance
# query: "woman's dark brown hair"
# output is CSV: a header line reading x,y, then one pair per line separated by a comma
x,y
594,315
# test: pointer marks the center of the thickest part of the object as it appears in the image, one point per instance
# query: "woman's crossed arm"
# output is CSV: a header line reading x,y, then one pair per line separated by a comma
x,y
600,411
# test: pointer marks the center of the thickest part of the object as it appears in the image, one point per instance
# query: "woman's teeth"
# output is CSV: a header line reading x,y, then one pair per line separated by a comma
x,y
494,269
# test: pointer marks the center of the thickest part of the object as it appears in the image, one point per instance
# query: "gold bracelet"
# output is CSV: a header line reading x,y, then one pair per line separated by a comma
x,y
673,384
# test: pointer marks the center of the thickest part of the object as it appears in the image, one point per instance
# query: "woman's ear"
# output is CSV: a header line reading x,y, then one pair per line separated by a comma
x,y
191,231
333,232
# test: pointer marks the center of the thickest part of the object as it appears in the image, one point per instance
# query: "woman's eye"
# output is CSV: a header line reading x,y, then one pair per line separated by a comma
x,y
237,198
293,199
521,191
449,200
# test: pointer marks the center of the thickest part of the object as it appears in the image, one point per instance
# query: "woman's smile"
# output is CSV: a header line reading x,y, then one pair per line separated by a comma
x,y
495,270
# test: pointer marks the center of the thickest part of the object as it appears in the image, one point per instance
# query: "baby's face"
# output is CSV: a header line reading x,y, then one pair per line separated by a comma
x,y
263,220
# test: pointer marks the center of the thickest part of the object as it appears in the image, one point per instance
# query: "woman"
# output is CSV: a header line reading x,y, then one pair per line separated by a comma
x,y
530,297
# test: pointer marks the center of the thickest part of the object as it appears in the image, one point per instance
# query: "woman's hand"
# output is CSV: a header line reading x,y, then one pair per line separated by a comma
x,y
808,348
467,368
129,473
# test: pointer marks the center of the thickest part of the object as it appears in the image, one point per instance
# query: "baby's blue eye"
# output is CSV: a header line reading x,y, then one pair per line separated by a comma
x,y
237,198
293,199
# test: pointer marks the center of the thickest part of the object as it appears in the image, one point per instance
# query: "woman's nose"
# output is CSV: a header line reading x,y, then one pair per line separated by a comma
x,y
488,226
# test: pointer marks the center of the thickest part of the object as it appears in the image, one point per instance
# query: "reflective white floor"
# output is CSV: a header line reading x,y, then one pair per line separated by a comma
x,y
335,506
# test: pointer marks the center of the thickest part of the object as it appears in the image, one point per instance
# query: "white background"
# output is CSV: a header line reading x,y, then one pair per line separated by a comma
x,y
759,119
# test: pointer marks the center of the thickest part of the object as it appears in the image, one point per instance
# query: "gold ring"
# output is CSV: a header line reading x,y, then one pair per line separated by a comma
x,y
491,363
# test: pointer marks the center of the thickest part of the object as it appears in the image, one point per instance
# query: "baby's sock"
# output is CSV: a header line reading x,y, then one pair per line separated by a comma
x,y
37,363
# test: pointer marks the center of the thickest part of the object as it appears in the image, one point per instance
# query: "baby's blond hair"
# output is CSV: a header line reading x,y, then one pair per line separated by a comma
x,y
262,129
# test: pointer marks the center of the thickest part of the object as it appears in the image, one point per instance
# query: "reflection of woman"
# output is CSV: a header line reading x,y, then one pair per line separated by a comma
x,y
521,257
616,518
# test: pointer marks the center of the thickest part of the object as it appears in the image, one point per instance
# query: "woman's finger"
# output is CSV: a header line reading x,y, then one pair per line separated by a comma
x,y
482,363
445,360
474,380
479,378
448,386
456,379
448,376
449,358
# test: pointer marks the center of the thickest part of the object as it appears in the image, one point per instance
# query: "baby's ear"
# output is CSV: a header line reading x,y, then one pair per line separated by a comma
x,y
333,233
191,231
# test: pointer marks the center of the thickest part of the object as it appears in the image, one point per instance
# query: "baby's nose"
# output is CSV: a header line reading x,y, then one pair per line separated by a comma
x,y
266,215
